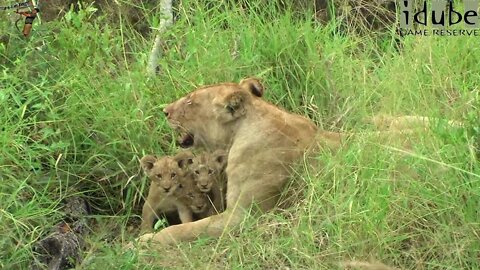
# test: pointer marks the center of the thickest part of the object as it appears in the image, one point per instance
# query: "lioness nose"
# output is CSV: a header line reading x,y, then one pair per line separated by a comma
x,y
166,189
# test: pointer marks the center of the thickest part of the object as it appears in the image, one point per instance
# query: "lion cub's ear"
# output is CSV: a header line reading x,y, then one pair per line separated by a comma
x,y
220,159
147,163
252,85
184,159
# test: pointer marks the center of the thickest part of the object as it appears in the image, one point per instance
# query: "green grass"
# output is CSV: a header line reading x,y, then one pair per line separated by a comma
x,y
77,111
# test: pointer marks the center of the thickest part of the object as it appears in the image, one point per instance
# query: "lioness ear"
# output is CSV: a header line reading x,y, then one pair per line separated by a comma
x,y
220,159
235,103
147,163
252,85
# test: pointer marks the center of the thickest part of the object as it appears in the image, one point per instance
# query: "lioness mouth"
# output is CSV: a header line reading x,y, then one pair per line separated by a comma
x,y
186,140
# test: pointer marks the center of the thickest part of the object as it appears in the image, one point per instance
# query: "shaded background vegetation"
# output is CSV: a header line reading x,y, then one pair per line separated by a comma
x,y
77,111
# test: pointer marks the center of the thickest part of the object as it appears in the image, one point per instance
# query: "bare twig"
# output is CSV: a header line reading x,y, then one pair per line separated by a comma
x,y
166,20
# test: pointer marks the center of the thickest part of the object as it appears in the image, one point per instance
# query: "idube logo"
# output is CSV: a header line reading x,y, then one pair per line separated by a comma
x,y
439,18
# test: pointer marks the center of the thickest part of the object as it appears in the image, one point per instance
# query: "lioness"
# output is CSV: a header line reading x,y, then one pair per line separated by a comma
x,y
262,140
165,176
208,174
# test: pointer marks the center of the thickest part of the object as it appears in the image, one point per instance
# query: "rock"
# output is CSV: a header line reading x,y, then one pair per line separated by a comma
x,y
62,248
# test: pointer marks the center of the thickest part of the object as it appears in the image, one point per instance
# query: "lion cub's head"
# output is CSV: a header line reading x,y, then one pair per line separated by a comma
x,y
207,167
207,115
191,196
164,173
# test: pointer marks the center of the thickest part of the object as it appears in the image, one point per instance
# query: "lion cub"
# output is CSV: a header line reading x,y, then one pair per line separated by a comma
x,y
208,174
166,179
190,195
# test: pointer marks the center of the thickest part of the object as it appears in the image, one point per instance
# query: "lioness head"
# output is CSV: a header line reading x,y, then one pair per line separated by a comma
x,y
163,172
206,167
192,197
207,116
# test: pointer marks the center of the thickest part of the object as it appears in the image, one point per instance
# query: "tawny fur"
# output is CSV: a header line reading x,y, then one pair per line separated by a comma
x,y
405,122
198,201
262,141
209,175
165,176
184,160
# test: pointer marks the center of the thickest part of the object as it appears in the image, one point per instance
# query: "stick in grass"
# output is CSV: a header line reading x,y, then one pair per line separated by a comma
x,y
166,20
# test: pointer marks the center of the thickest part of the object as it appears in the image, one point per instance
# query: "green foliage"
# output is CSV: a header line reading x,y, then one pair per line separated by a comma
x,y
77,111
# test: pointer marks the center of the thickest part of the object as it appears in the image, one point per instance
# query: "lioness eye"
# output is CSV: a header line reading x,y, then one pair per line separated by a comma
x,y
190,161
173,175
210,171
197,172
159,175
